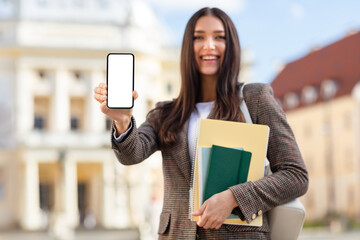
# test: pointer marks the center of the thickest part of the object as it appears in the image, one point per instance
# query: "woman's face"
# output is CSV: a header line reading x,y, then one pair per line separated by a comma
x,y
209,44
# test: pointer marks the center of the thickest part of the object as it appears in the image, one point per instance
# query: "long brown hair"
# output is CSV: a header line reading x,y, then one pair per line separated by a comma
x,y
174,114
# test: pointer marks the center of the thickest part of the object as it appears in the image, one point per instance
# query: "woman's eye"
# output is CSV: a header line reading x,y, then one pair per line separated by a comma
x,y
221,37
198,37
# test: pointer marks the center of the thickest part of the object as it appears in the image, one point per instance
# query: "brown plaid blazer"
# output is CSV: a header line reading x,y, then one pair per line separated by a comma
x,y
290,178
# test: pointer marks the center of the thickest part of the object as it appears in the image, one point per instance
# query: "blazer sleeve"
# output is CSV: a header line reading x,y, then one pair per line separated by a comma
x,y
290,178
138,145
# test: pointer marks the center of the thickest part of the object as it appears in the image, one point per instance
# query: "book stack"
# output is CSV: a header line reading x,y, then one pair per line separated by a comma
x,y
227,154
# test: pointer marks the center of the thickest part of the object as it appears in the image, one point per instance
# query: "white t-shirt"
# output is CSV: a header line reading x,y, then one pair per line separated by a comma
x,y
201,110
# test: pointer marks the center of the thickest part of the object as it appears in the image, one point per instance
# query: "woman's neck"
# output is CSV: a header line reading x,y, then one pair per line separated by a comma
x,y
208,88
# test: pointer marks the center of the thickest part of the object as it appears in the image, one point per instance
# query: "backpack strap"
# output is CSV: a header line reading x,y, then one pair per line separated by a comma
x,y
246,113
243,107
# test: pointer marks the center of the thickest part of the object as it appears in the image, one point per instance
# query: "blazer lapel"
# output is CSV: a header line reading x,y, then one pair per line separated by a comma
x,y
181,154
180,150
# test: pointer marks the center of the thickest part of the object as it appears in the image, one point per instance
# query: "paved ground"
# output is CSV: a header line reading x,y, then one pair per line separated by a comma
x,y
327,235
134,235
79,235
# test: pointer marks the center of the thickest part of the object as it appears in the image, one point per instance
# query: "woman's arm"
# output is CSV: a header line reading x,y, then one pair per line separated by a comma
x,y
290,177
138,145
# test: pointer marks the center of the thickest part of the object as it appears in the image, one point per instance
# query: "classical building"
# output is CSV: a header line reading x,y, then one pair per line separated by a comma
x,y
56,167
320,93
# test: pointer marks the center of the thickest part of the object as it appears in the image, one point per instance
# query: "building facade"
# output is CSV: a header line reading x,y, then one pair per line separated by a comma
x,y
57,170
320,93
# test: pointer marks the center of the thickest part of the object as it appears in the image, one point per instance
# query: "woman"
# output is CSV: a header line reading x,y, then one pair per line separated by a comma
x,y
210,60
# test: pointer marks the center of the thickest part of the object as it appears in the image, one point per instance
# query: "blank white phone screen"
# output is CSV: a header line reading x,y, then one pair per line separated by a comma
x,y
120,80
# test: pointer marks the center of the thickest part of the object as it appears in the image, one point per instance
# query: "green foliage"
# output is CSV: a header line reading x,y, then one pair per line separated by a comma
x,y
315,224
346,223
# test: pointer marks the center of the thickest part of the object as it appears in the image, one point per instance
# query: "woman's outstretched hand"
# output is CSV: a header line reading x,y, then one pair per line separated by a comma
x,y
122,117
215,210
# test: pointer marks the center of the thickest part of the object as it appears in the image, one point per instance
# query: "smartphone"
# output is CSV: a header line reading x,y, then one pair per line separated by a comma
x,y
120,80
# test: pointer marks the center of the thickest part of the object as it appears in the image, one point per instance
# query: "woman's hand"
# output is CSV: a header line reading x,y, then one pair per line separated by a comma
x,y
216,209
122,117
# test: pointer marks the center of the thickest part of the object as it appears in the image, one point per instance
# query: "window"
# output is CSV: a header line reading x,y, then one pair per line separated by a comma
x,y
46,196
39,122
291,100
108,123
41,74
356,91
44,78
77,113
74,123
41,112
82,200
309,95
328,89
78,75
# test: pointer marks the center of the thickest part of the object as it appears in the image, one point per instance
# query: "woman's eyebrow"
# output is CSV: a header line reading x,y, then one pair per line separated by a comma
x,y
216,31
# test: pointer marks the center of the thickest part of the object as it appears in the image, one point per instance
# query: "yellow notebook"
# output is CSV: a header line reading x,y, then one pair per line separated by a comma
x,y
250,137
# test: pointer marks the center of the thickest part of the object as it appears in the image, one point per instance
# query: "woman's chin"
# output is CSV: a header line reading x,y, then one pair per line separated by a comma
x,y
209,72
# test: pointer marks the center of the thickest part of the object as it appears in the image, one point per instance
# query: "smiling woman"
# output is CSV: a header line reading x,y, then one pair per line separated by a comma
x,y
210,65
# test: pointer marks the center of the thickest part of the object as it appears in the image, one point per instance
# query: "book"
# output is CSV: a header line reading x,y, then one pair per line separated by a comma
x,y
227,167
252,137
204,158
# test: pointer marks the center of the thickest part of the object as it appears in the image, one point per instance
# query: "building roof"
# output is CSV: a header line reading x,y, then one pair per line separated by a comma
x,y
339,61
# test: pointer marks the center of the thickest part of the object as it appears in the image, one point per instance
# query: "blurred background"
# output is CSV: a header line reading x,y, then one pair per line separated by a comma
x,y
59,178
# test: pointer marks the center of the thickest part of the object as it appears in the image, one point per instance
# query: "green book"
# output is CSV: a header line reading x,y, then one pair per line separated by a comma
x,y
244,166
227,167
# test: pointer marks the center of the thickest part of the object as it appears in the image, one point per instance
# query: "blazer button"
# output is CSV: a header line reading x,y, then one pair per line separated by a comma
x,y
259,212
253,216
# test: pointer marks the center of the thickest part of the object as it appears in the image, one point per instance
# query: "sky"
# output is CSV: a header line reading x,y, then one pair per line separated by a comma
x,y
275,32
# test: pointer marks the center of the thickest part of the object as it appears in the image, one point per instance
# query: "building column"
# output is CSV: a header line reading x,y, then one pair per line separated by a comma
x,y
95,120
108,202
31,220
70,199
60,117
24,102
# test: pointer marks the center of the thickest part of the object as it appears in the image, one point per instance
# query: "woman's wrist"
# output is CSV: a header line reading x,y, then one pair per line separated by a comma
x,y
122,125
232,198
